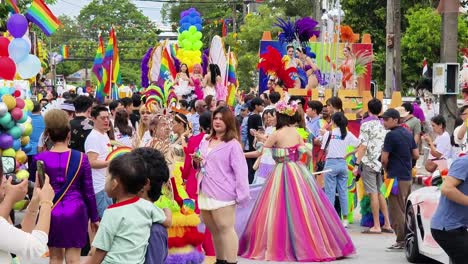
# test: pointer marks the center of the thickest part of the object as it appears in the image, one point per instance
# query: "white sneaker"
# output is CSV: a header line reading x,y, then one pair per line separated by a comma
x,y
345,223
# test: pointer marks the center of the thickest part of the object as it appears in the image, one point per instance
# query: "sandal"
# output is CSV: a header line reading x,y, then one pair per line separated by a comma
x,y
386,230
368,231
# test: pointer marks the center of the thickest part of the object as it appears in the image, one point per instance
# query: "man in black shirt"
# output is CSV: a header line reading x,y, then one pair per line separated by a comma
x,y
81,125
135,115
254,122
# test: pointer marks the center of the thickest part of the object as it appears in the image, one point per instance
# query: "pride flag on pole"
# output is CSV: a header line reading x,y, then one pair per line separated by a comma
x,y
168,70
12,6
108,63
117,77
99,72
64,51
233,83
41,15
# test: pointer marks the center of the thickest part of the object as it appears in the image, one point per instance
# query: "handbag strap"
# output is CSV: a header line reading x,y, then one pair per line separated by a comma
x,y
328,142
73,167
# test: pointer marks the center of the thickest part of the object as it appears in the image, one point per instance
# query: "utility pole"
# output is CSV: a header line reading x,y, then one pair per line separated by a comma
x,y
397,43
449,9
389,65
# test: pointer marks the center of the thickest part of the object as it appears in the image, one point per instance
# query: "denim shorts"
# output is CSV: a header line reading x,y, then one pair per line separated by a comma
x,y
103,201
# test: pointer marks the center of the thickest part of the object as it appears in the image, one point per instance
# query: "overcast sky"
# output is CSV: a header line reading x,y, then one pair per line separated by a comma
x,y
72,8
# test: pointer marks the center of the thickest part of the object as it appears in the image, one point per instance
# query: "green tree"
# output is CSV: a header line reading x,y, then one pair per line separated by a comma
x,y
134,31
246,43
422,39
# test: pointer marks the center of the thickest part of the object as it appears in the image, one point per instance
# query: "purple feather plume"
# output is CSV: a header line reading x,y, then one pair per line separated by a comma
x,y
205,56
176,63
306,28
145,68
289,30
193,257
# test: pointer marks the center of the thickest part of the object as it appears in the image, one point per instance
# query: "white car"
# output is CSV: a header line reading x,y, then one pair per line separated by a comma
x,y
420,245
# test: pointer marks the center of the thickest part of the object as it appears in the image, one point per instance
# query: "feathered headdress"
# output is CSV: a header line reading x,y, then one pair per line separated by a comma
x,y
347,34
272,64
301,30
162,97
362,59
306,28
289,33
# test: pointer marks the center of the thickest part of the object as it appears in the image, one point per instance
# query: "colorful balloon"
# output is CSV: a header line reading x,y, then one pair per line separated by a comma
x,y
25,140
21,156
22,174
15,132
10,101
9,153
19,49
5,119
3,109
16,113
29,67
17,145
27,148
17,25
24,118
4,42
20,103
29,105
6,141
27,129
7,68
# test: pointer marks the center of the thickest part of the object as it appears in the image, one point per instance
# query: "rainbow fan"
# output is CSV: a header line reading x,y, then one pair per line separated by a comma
x,y
118,152
163,97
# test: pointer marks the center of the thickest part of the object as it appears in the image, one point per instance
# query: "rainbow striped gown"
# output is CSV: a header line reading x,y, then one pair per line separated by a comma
x,y
292,219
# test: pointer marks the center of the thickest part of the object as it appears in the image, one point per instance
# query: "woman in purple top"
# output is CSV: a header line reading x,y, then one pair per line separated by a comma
x,y
70,216
223,183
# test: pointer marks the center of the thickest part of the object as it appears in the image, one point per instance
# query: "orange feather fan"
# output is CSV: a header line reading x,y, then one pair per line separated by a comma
x,y
347,34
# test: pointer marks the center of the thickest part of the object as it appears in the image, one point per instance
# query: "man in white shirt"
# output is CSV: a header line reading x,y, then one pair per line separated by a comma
x,y
97,147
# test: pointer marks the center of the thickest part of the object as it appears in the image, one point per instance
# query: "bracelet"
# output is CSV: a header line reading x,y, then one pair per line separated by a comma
x,y
47,203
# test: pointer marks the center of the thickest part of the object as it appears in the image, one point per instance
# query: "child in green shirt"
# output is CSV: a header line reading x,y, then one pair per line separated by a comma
x,y
125,227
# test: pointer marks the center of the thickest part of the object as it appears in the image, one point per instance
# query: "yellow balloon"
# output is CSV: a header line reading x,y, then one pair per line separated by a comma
x,y
29,104
22,175
9,101
9,153
21,157
25,140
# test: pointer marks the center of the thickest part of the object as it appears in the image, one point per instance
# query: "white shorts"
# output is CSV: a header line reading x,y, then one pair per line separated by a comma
x,y
208,204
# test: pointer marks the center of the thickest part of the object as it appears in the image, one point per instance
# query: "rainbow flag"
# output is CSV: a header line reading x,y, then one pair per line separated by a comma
x,y
168,70
98,70
12,6
117,77
108,63
64,51
233,83
41,15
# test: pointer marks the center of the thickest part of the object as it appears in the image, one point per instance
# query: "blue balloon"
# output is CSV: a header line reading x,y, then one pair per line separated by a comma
x,y
185,20
3,91
16,144
198,20
198,26
27,148
185,26
29,67
194,13
19,50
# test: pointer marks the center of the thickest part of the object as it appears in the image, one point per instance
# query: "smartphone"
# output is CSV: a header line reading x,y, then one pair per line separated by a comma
x,y
40,172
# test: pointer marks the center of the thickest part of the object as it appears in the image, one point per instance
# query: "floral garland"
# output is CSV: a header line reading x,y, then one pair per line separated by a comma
x,y
286,109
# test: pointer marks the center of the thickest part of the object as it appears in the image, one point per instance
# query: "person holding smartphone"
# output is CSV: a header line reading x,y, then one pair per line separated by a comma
x,y
30,241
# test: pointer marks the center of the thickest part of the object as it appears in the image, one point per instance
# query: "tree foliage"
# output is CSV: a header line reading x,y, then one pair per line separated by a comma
x,y
134,31
246,43
422,39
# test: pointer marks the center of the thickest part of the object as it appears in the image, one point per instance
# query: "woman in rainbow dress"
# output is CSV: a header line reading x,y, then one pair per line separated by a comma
x,y
292,219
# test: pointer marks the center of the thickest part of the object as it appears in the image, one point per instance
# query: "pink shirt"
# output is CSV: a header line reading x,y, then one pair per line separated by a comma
x,y
225,173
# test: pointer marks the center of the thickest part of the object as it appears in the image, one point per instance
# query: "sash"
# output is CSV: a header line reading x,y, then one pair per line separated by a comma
x,y
73,167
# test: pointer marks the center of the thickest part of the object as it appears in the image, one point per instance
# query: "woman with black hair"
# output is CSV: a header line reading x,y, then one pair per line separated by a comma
x,y
123,132
335,143
308,65
212,80
183,83
292,219
440,148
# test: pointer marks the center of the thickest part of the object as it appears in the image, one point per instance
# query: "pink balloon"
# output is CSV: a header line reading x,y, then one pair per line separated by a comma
x,y
20,103
4,42
16,113
7,68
